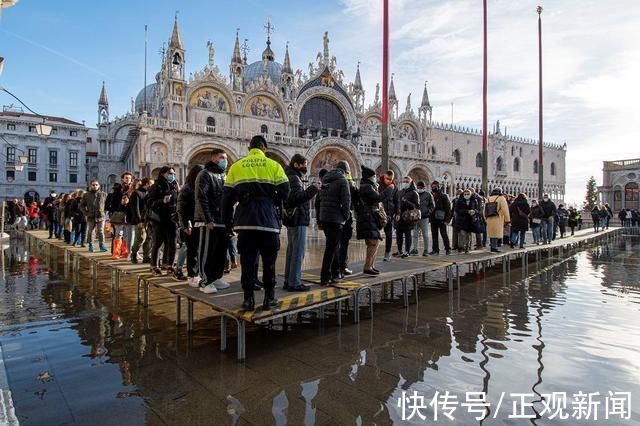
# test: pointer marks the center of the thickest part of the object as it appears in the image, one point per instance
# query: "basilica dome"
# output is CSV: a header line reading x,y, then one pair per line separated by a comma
x,y
150,91
256,69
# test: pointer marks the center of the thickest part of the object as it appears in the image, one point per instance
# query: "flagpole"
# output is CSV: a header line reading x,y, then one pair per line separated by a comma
x,y
144,108
485,151
540,157
385,85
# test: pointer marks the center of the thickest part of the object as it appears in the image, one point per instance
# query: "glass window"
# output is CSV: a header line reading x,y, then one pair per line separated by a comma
x,y
264,129
73,158
479,159
211,121
516,165
632,196
33,156
11,126
499,164
73,133
553,169
535,166
11,154
456,156
32,129
321,113
73,178
11,175
53,158
54,131
32,176
53,177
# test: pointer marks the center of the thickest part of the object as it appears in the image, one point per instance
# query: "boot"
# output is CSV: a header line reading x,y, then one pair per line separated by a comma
x,y
249,303
117,248
134,258
269,299
123,249
90,248
102,247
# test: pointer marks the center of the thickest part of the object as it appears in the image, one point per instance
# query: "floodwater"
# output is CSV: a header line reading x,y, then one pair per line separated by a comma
x,y
74,353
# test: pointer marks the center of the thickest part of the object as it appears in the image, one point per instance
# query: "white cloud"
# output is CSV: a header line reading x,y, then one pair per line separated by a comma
x,y
591,67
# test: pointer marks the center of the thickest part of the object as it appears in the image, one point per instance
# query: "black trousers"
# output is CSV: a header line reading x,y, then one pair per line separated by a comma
x,y
192,241
53,227
252,244
330,266
403,234
439,226
388,235
212,249
164,235
343,255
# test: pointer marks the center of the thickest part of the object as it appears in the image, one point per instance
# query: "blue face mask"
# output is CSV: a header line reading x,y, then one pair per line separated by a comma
x,y
222,163
467,197
171,178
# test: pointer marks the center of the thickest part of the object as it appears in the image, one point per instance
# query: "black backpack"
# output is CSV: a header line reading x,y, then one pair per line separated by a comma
x,y
491,209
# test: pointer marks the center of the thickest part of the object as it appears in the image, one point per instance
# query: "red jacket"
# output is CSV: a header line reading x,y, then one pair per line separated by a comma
x,y
33,211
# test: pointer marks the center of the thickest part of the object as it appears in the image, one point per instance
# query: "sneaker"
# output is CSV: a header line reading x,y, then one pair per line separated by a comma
x,y
414,252
447,252
425,253
194,282
301,287
387,257
90,248
178,275
134,258
370,272
347,271
209,289
103,248
404,255
156,272
434,253
220,284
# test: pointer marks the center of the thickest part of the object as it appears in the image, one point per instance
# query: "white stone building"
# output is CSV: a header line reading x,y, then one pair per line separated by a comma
x,y
620,184
178,119
55,162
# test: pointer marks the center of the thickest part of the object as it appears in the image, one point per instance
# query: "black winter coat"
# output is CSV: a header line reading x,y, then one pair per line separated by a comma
x,y
409,200
392,203
519,211
155,199
465,220
186,207
208,195
299,199
334,200
441,202
426,204
548,208
136,208
369,200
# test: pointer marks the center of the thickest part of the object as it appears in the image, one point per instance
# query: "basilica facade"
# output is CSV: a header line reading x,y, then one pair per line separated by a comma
x,y
178,119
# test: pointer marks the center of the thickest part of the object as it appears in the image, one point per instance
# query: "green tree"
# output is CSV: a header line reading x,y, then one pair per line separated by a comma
x,y
591,198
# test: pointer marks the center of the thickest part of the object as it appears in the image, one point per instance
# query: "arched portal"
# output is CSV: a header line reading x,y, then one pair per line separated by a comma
x,y
328,157
202,157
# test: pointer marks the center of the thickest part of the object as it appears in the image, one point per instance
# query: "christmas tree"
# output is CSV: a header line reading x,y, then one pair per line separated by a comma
x,y
591,198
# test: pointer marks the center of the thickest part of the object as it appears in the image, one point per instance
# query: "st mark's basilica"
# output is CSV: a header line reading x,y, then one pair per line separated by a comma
x,y
316,112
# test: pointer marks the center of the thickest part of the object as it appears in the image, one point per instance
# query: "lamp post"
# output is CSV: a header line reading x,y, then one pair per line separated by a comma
x,y
485,151
540,159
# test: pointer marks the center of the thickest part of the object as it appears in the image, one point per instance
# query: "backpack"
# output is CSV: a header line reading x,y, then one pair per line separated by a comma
x,y
491,209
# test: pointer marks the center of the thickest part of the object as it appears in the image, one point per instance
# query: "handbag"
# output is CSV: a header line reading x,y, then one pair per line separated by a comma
x,y
380,216
439,214
411,216
153,215
288,215
118,218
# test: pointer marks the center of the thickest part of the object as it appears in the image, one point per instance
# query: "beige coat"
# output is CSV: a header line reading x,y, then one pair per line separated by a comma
x,y
495,224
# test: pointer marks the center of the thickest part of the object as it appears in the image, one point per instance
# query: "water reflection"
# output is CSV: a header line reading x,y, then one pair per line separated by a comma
x,y
72,353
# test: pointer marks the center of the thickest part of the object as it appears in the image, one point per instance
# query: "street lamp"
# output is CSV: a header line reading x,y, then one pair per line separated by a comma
x,y
23,159
44,129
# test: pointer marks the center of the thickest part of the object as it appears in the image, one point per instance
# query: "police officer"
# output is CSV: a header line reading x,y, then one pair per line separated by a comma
x,y
260,186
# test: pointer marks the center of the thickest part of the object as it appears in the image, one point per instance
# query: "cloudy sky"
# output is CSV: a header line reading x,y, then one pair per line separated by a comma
x,y
58,54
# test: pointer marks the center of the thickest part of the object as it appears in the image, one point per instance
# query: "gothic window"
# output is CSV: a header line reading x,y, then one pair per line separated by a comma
x,y
513,148
456,156
516,165
553,169
264,129
320,114
479,159
535,166
499,164
632,196
520,152
433,150
374,144
211,122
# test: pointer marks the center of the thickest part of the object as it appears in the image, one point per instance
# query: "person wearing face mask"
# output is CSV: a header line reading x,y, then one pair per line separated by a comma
x,y
93,205
535,219
467,210
161,203
546,224
137,219
52,214
519,211
297,217
426,208
409,200
440,216
497,214
390,208
214,239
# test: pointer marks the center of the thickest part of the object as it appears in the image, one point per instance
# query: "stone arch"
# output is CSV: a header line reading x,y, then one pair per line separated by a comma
x,y
419,172
205,146
278,157
155,172
371,124
255,96
414,126
392,166
447,178
333,95
326,152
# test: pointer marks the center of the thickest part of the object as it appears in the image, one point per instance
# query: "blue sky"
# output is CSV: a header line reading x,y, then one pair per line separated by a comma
x,y
59,52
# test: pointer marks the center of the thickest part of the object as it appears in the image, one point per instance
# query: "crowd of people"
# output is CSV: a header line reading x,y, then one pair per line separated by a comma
x,y
196,231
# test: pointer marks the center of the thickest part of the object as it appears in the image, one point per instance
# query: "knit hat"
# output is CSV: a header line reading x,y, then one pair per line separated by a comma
x,y
367,172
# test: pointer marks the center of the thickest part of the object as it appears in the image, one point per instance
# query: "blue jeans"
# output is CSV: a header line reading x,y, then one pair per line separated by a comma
x,y
546,229
536,233
517,237
494,243
295,255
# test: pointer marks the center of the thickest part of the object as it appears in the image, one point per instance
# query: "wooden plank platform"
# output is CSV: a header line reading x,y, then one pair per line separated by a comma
x,y
398,271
